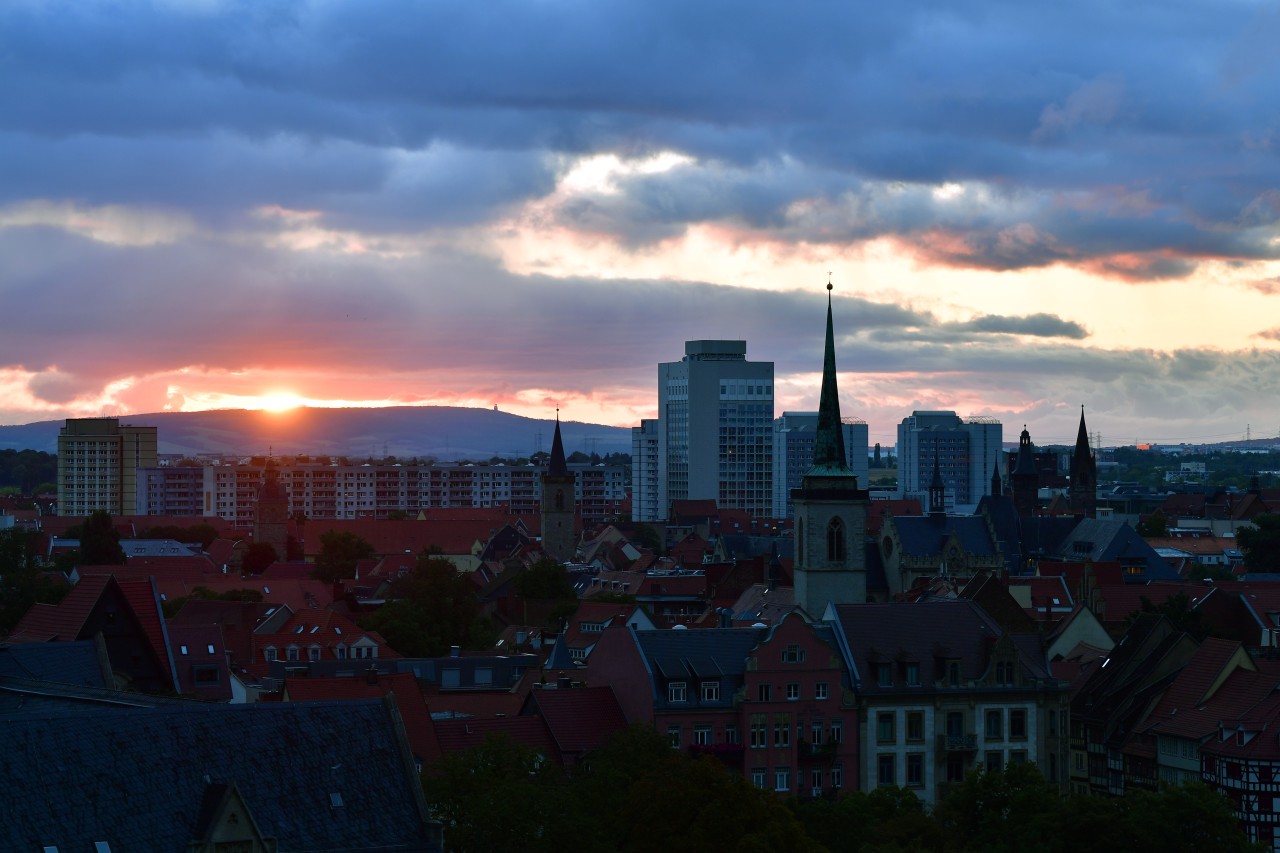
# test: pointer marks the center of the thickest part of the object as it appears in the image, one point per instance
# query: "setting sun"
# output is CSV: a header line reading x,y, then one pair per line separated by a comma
x,y
279,401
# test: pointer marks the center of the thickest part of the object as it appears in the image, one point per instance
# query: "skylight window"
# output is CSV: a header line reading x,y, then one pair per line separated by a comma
x,y
183,649
337,630
210,647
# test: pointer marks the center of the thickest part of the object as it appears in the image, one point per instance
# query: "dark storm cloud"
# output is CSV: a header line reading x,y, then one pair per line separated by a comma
x,y
218,107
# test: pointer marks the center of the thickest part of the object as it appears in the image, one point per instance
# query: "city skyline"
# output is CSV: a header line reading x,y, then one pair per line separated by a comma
x,y
1024,210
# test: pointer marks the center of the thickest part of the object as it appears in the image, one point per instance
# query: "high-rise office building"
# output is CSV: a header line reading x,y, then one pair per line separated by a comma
x,y
714,431
966,452
646,486
793,438
98,462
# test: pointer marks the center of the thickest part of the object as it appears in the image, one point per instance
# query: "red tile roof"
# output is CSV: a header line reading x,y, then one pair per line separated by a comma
x,y
530,732
145,602
64,620
580,719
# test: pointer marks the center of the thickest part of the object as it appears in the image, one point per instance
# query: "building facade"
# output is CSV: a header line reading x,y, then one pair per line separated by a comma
x,y
715,429
327,491
648,490
965,450
793,436
99,460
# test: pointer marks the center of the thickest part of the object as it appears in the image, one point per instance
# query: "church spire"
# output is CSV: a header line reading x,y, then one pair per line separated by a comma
x,y
557,467
828,441
1082,437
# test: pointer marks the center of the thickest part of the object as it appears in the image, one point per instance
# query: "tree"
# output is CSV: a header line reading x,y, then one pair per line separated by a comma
x,y
100,542
1261,543
1011,810
258,557
22,583
339,553
432,608
1178,610
1154,526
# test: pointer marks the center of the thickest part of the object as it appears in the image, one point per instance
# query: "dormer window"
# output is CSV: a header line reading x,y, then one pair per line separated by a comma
x,y
678,691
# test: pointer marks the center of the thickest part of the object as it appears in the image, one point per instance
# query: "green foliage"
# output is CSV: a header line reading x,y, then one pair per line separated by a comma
x,y
432,608
258,556
646,537
339,553
1260,542
100,542
1154,526
27,470
1177,609
545,580
22,582
203,593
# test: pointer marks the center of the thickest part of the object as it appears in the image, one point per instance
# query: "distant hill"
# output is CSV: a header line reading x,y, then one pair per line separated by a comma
x,y
444,432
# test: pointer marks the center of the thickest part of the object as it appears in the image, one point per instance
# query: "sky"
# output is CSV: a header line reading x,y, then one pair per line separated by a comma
x,y
1024,208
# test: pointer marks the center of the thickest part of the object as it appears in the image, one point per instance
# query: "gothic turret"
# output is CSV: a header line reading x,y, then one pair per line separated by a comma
x,y
1024,481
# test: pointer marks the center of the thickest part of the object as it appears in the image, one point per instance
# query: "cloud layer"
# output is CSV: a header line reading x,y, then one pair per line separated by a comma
x,y
530,204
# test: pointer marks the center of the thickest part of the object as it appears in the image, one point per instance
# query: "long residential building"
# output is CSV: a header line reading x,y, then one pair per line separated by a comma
x,y
372,490
793,441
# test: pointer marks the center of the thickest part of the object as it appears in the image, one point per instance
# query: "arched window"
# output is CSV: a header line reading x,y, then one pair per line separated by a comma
x,y
800,541
559,499
835,540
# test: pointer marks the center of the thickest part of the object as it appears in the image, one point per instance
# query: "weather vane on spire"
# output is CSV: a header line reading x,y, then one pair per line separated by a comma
x,y
829,280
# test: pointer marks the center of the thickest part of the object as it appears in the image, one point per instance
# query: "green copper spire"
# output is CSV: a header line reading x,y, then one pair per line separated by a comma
x,y
828,442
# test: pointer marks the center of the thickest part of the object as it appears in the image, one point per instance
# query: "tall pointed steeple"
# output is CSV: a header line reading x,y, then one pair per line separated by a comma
x,y
831,511
557,467
937,490
559,503
828,442
1083,492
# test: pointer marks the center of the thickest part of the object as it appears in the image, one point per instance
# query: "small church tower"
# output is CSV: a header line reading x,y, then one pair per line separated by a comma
x,y
271,513
1024,480
558,504
1083,493
831,511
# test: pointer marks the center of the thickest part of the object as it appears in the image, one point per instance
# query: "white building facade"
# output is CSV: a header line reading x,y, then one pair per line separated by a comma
x,y
967,452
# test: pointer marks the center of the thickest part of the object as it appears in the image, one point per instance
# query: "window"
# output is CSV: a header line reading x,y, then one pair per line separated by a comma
x,y
820,690
1004,673
710,691
837,731
1019,756
182,649
995,759
915,725
815,782
1018,723
758,776
764,692
793,692
837,775
673,734
955,768
884,674
884,728
953,673
782,730
759,731
782,779
269,653
292,653
913,674
885,770
677,691
793,654
955,723
1053,724
702,735
205,674
915,770
835,540
731,735
313,653
210,648
995,724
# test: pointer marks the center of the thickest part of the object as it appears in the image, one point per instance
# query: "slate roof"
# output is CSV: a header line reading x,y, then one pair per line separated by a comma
x,y
408,696
1104,539
65,663
924,536
136,778
683,655
928,633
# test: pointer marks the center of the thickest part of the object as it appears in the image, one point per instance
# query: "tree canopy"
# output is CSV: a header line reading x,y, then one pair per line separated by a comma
x,y
22,582
430,609
1260,542
339,553
100,541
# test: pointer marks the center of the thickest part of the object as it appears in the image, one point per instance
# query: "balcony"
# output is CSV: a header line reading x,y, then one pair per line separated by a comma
x,y
957,743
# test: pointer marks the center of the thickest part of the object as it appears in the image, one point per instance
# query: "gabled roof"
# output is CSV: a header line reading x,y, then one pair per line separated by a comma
x,y
1218,682
64,620
579,719
146,772
695,655
924,536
